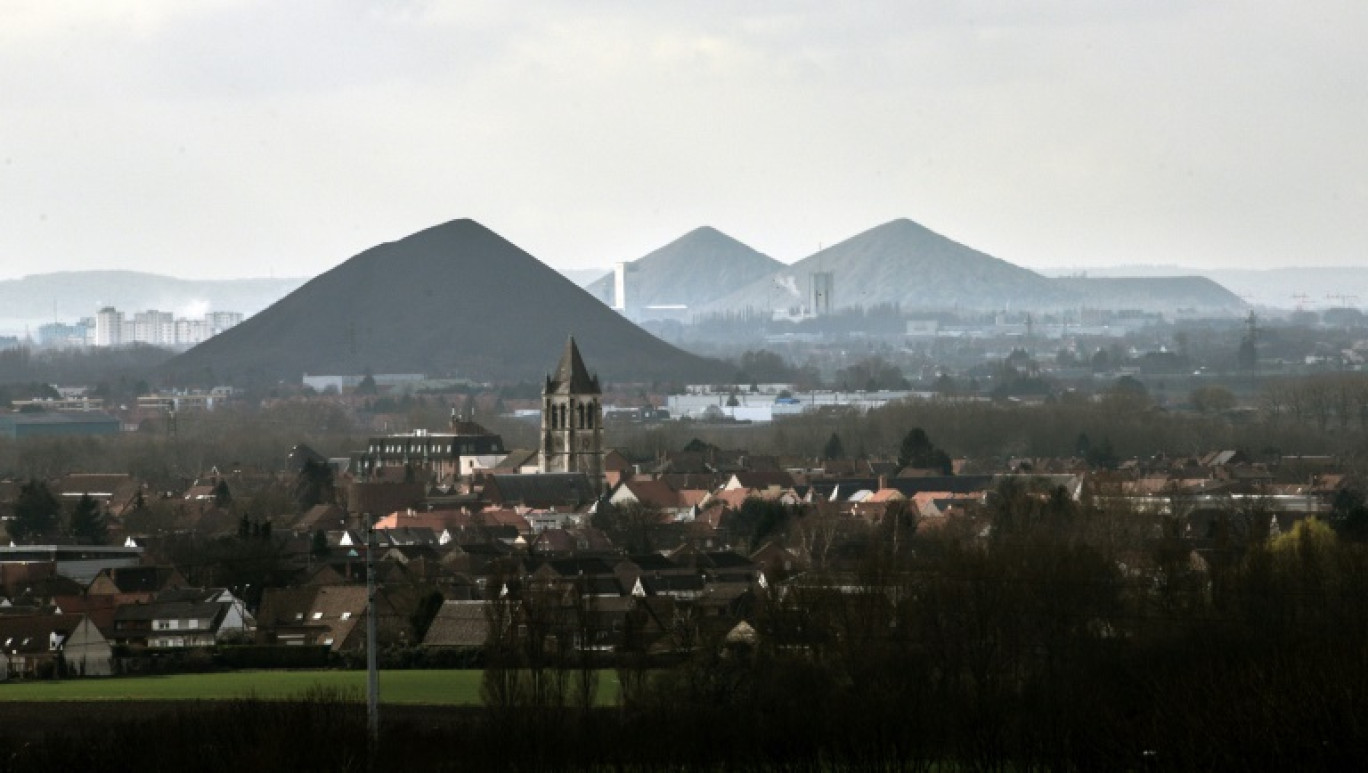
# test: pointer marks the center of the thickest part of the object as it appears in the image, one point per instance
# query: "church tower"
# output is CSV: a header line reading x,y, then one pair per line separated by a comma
x,y
572,419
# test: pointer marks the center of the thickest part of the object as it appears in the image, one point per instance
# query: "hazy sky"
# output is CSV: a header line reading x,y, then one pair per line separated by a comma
x,y
229,138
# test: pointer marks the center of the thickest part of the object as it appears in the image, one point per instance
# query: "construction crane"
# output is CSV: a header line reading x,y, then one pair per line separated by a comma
x,y
1301,299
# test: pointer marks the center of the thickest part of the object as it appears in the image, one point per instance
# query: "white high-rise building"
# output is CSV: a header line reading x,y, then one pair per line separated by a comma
x,y
108,327
219,321
154,327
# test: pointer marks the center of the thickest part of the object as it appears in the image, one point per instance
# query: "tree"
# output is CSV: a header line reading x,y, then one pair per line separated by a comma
x,y
757,519
918,451
35,511
318,547
871,374
763,366
222,496
1349,515
314,485
1127,394
1212,399
833,448
87,522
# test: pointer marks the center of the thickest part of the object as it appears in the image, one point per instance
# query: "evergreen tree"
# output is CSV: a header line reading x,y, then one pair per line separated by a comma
x,y
314,485
87,522
319,546
833,448
918,451
222,496
35,511
1349,515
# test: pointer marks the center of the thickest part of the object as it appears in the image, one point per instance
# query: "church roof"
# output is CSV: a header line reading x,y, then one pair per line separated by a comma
x,y
571,377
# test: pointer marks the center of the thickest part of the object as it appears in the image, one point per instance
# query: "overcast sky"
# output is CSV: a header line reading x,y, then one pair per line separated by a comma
x,y
232,138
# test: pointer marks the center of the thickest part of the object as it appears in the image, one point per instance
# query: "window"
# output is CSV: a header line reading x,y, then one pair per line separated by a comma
x,y
328,641
346,615
318,615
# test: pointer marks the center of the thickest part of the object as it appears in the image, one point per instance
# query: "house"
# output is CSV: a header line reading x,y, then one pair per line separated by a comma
x,y
325,516
330,615
561,490
459,625
235,620
322,615
32,645
168,625
760,482
616,468
652,495
467,447
131,584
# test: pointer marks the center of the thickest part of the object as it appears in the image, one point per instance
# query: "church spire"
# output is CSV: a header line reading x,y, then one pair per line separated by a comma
x,y
571,375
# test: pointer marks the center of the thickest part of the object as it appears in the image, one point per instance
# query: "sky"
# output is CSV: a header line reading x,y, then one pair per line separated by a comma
x,y
239,138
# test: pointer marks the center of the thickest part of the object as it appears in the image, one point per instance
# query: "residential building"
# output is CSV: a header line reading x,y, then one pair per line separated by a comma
x,y
466,449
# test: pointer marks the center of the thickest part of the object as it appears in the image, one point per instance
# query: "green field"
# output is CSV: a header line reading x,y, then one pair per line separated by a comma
x,y
456,688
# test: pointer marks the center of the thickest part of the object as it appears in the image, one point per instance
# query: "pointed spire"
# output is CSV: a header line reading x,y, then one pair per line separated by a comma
x,y
571,376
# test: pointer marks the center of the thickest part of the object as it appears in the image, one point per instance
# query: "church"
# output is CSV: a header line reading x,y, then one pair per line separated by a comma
x,y
572,419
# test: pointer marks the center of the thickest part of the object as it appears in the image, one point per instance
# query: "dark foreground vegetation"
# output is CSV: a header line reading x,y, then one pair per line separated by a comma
x,y
1033,648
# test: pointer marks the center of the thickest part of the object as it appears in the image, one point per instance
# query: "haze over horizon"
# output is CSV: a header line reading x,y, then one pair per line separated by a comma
x,y
239,138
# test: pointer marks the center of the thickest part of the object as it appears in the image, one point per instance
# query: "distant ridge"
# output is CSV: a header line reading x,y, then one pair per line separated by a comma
x,y
904,263
1166,295
689,271
1308,287
455,299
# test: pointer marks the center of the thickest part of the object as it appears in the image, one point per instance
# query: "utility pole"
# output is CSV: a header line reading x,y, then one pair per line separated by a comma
x,y
372,672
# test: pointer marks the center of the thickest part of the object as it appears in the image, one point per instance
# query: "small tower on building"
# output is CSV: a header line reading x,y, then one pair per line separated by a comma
x,y
572,419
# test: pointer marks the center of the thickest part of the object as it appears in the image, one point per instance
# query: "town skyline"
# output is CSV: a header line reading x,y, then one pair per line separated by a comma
x,y
240,139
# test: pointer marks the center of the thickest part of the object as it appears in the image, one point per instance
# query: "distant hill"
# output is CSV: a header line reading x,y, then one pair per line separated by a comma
x,y
693,270
1173,295
456,299
584,277
1309,287
902,262
70,295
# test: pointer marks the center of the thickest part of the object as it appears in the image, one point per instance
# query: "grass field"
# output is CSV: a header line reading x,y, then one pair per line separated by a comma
x,y
454,688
